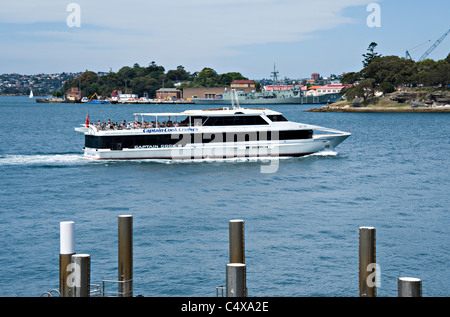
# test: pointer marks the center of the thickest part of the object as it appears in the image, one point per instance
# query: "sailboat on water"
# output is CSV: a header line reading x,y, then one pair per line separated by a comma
x,y
31,93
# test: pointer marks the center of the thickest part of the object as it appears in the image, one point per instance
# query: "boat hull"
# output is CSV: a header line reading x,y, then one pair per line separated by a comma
x,y
322,99
273,149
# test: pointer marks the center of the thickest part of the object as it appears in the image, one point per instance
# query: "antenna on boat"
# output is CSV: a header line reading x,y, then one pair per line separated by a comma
x,y
275,76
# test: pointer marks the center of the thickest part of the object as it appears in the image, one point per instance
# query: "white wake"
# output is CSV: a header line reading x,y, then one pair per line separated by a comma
x,y
42,160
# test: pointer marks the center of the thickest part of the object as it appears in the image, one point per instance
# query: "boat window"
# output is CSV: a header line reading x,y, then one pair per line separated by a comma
x,y
198,120
276,117
234,120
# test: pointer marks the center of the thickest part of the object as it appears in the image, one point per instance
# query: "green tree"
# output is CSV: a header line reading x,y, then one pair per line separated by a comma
x,y
386,87
126,72
143,85
227,78
155,71
391,69
371,54
179,74
207,77
350,78
447,59
365,89
439,75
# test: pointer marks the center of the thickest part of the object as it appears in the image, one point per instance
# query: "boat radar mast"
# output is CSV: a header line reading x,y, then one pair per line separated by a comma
x,y
274,75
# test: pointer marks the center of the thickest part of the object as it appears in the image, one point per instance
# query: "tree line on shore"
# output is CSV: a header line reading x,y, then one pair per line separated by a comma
x,y
385,73
147,80
379,73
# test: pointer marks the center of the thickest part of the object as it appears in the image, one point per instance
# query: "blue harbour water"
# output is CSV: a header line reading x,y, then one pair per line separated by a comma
x,y
301,222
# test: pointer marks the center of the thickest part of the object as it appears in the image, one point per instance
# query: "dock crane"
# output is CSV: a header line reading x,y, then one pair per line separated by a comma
x,y
425,55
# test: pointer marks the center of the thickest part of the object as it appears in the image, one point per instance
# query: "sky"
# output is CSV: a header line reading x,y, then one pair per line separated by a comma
x,y
298,37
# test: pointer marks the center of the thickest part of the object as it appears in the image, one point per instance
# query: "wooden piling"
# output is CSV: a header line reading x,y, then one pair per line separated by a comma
x,y
367,262
81,264
236,280
67,249
409,287
125,255
237,241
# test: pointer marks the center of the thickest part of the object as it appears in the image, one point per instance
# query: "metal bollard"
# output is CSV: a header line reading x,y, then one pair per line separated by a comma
x,y
236,280
237,241
367,259
409,287
81,271
125,258
67,249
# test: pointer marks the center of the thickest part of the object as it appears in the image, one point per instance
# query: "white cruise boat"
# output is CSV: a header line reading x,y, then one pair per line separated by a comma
x,y
207,134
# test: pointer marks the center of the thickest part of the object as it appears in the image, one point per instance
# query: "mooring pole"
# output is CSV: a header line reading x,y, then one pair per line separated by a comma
x,y
367,262
236,269
81,264
236,280
237,241
409,287
67,249
125,255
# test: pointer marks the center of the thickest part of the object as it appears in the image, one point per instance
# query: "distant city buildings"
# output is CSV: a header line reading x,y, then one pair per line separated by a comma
x,y
315,76
41,84
74,94
47,84
168,94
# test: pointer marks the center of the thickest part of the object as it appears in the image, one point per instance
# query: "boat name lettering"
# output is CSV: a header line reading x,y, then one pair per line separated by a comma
x,y
175,129
153,146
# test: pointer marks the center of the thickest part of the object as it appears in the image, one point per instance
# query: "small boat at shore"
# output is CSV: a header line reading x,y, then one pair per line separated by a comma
x,y
206,134
55,100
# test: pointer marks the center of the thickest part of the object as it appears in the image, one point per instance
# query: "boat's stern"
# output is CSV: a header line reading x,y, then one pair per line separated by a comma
x,y
82,129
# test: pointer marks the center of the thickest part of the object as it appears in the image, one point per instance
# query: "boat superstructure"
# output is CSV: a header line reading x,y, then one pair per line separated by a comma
x,y
207,134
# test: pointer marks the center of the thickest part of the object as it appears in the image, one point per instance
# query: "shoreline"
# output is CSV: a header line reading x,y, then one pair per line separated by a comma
x,y
384,105
407,109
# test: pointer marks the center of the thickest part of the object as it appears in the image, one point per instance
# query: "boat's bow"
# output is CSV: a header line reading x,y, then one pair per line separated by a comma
x,y
335,137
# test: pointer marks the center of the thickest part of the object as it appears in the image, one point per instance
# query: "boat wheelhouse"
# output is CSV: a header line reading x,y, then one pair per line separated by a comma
x,y
207,134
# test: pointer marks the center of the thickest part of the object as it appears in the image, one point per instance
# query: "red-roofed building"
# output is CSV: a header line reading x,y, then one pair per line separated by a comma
x,y
331,89
315,76
327,89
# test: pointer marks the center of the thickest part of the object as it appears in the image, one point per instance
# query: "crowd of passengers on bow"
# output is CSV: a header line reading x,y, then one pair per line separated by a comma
x,y
137,124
